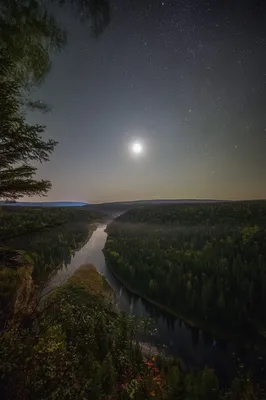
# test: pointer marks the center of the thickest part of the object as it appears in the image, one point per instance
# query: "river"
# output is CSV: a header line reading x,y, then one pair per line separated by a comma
x,y
196,347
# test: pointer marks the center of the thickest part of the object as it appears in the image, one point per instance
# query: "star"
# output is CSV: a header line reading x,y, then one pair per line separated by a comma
x,y
200,45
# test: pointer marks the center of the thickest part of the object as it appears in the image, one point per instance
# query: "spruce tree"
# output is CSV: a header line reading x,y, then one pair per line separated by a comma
x,y
20,143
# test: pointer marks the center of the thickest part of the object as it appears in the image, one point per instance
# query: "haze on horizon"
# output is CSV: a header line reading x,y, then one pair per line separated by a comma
x,y
186,79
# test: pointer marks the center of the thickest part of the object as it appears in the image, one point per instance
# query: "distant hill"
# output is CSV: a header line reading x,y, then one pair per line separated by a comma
x,y
162,201
45,204
113,204
119,207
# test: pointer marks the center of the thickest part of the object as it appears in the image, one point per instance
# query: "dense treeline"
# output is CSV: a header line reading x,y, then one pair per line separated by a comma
x,y
74,345
45,251
227,213
52,248
16,221
77,347
207,260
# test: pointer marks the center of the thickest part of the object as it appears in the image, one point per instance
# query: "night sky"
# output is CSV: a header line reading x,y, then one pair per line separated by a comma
x,y
187,79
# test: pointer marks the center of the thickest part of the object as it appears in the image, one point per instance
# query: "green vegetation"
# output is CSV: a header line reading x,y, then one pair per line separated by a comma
x,y
45,250
49,250
77,347
74,344
206,261
88,277
15,221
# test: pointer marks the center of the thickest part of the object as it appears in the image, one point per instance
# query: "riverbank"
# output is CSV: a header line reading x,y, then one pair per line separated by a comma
x,y
256,343
87,276
44,283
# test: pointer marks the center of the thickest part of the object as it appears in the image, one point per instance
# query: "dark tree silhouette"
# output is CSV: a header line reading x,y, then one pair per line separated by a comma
x,y
20,143
29,34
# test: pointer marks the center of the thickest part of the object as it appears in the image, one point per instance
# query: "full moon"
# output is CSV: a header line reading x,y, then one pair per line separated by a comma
x,y
136,148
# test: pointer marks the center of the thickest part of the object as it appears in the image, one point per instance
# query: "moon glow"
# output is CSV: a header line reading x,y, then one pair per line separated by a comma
x,y
136,148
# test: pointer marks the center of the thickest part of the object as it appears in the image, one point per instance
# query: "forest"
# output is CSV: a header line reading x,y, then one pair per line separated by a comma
x,y
203,260
27,231
76,346
45,250
18,220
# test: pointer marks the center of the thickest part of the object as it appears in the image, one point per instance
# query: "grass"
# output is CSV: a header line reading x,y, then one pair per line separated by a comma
x,y
88,278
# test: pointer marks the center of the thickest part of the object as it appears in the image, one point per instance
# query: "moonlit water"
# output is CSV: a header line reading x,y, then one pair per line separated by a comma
x,y
90,253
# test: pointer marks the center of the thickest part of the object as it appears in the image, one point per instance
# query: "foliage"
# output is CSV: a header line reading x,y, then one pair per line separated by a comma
x,y
52,249
77,347
30,33
204,260
75,323
87,277
46,250
20,143
15,220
